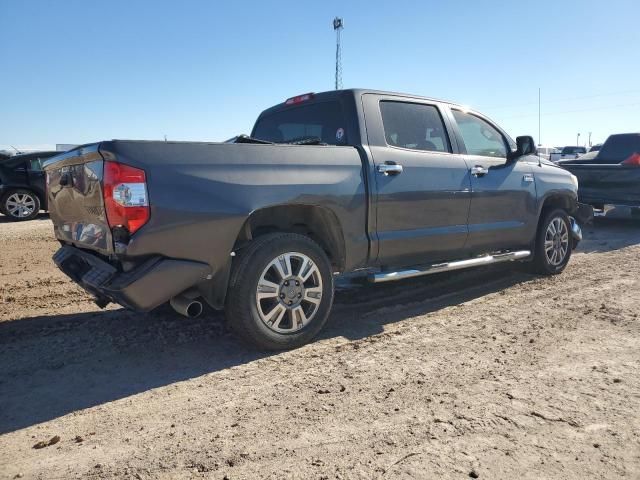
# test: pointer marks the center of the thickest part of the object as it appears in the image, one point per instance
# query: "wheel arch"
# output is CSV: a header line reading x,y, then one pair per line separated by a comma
x,y
319,223
558,199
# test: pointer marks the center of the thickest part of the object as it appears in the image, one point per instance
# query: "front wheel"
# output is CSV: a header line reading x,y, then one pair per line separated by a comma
x,y
280,291
553,243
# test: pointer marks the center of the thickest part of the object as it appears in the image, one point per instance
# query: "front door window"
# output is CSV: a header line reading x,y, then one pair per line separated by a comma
x,y
480,137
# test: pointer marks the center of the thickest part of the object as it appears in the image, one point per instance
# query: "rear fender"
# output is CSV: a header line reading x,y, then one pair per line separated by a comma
x,y
319,223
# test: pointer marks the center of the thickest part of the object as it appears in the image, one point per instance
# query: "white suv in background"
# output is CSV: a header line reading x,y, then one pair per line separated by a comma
x,y
568,153
545,152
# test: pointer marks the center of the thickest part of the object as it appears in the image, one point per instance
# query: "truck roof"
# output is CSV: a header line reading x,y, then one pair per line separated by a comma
x,y
355,92
630,134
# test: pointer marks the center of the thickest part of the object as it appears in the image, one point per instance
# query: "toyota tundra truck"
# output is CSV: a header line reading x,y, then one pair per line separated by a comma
x,y
381,185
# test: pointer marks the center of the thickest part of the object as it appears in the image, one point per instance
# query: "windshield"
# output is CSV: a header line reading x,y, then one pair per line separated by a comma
x,y
322,120
573,150
24,159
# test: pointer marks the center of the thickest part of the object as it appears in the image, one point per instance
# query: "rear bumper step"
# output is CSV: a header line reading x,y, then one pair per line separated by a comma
x,y
447,267
617,211
142,289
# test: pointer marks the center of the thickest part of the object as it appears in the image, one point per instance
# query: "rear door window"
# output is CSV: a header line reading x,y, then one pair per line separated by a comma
x,y
323,120
20,167
415,126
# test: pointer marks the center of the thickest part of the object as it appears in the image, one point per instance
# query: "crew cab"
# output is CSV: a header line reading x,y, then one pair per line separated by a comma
x,y
610,177
383,185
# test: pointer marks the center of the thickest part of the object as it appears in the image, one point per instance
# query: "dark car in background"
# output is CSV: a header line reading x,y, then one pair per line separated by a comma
x,y
22,185
610,178
595,148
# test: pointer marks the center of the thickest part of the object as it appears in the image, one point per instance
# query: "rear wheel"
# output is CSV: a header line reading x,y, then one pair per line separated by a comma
x,y
21,205
280,292
553,243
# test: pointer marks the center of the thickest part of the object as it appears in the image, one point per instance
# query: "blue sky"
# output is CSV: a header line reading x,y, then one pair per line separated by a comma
x,y
78,71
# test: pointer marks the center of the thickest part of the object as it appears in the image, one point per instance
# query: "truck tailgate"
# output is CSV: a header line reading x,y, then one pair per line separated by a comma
x,y
607,184
76,203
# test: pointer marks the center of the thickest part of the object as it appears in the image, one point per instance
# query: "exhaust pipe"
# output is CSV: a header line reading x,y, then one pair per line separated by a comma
x,y
186,306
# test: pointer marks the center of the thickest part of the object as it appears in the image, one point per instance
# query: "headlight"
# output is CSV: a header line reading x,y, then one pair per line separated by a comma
x,y
574,180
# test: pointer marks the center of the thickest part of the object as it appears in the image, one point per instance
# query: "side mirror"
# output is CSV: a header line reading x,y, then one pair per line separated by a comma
x,y
524,146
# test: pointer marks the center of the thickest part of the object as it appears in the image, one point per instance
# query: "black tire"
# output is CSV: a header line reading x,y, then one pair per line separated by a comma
x,y
242,307
542,264
8,207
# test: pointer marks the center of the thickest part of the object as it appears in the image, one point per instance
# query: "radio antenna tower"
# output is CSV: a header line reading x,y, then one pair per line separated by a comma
x,y
338,25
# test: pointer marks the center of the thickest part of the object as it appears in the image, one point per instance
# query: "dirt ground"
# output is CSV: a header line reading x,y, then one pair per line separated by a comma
x,y
489,373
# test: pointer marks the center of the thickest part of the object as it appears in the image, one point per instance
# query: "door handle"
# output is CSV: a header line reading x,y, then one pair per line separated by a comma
x,y
390,169
479,171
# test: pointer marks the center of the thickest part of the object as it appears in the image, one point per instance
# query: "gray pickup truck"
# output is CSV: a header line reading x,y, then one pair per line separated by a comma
x,y
384,185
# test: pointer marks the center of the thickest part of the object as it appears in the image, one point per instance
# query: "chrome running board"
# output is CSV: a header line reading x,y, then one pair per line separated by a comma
x,y
447,267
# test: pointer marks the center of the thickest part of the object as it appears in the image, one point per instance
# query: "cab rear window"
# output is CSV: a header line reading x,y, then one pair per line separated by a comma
x,y
619,148
322,120
573,150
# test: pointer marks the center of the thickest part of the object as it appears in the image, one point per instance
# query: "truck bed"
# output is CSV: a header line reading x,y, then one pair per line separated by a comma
x,y
200,195
607,184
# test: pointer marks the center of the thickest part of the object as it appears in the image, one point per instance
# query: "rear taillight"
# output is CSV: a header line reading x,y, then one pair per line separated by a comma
x,y
633,160
125,196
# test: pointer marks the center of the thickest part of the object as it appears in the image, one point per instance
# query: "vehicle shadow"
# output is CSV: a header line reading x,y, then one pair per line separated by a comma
x,y
605,235
51,365
41,216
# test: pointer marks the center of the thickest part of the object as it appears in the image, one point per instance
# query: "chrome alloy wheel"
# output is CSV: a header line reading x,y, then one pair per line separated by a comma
x,y
289,292
20,205
556,241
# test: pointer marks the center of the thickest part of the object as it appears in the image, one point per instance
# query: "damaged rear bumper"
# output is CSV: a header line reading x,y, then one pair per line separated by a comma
x,y
149,285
